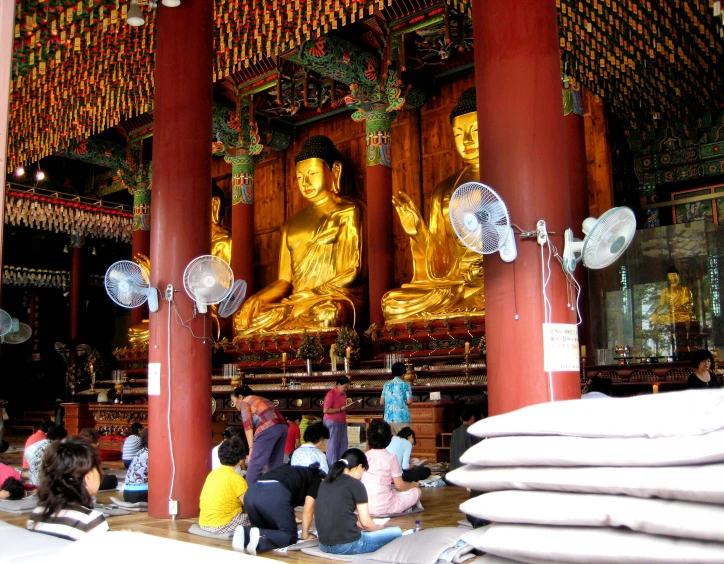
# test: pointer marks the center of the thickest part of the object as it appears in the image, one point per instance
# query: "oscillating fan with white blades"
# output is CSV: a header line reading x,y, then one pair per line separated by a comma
x,y
83,350
6,322
480,219
18,334
208,280
233,301
606,239
128,285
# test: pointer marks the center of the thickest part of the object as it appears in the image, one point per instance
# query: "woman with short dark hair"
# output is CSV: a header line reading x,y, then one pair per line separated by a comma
x,y
71,474
342,513
385,470
315,437
702,361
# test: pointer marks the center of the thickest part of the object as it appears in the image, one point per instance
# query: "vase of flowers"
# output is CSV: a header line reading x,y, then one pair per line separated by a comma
x,y
347,344
310,350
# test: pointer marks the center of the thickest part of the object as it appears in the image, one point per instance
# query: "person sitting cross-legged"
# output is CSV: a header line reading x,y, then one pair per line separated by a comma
x,y
401,447
222,497
135,488
35,458
315,437
384,470
93,436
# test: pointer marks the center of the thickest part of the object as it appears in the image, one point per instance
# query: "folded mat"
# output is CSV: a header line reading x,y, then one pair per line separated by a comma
x,y
578,451
674,414
703,521
418,508
299,546
25,505
686,483
197,530
319,553
535,543
139,506
111,510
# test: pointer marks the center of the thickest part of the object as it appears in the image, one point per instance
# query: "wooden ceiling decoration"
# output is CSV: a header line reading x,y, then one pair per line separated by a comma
x,y
78,69
649,59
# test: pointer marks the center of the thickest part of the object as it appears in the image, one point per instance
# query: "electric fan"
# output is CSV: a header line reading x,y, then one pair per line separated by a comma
x,y
128,285
208,280
606,239
83,350
19,335
233,301
481,221
6,322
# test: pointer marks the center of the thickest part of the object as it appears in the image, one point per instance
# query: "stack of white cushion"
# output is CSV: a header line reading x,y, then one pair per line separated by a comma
x,y
610,480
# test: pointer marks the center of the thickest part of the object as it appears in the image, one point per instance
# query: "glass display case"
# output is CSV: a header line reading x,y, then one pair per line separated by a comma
x,y
662,299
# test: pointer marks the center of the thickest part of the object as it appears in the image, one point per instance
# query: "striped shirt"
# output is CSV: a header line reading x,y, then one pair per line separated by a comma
x,y
258,414
131,446
72,523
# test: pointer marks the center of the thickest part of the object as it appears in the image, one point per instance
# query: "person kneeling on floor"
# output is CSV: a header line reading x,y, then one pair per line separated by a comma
x,y
135,488
340,530
270,504
222,497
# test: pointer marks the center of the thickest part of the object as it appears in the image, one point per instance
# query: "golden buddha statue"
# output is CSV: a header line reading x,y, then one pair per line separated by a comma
x,y
321,262
220,247
447,277
675,304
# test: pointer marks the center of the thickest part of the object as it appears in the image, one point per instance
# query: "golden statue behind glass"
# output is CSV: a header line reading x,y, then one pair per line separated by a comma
x,y
220,247
321,262
447,277
675,304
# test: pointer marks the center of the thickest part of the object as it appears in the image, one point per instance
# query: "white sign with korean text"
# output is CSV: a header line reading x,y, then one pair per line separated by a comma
x,y
154,378
560,348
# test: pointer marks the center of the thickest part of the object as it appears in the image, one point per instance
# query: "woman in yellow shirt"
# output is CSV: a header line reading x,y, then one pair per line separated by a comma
x,y
222,498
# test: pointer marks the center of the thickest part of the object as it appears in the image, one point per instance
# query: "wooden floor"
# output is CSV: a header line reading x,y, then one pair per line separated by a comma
x,y
441,510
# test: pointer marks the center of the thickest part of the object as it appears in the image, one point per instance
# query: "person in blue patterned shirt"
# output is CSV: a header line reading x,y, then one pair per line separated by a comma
x,y
396,397
315,437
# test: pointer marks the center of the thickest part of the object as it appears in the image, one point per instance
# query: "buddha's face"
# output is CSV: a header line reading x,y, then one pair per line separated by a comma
x,y
673,278
465,131
315,179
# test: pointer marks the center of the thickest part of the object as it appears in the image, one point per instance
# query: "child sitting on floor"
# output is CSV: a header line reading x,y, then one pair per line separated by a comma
x,y
222,498
70,476
341,531
315,437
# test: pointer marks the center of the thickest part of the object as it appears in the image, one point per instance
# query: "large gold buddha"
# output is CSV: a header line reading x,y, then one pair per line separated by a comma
x,y
447,277
321,262
675,304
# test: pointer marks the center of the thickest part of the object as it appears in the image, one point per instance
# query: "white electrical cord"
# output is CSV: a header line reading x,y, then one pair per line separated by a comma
x,y
547,308
168,412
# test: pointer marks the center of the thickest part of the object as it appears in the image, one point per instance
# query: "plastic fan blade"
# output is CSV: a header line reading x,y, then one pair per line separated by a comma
x,y
127,284
231,304
208,280
6,322
480,219
609,238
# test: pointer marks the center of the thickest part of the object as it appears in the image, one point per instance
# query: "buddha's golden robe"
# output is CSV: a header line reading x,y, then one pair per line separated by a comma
x,y
321,272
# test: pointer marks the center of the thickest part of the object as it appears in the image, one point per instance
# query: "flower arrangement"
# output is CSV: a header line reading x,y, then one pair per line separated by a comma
x,y
348,337
310,348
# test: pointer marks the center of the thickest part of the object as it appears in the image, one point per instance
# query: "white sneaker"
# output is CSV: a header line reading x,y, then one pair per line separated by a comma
x,y
237,542
253,540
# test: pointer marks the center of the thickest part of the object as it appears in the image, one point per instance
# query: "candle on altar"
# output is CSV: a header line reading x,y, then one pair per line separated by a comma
x,y
349,352
284,357
467,347
655,388
583,350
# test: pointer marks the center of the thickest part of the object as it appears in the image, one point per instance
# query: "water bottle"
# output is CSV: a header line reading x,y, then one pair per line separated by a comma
x,y
418,527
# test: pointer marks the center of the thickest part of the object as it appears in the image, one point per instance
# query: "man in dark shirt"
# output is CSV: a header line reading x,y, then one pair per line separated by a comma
x,y
270,504
462,440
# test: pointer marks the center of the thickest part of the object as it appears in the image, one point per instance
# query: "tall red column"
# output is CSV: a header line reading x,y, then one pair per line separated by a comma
x,y
379,210
180,410
242,219
76,286
522,156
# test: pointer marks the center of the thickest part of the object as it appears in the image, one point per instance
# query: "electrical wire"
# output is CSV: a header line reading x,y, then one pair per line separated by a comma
x,y
168,412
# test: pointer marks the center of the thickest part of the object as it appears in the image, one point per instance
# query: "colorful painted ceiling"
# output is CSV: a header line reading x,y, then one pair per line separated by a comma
x,y
78,69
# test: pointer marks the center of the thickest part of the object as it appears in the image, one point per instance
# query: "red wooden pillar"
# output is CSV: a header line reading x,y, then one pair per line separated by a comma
x,y
523,157
179,444
7,20
242,219
76,286
379,210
